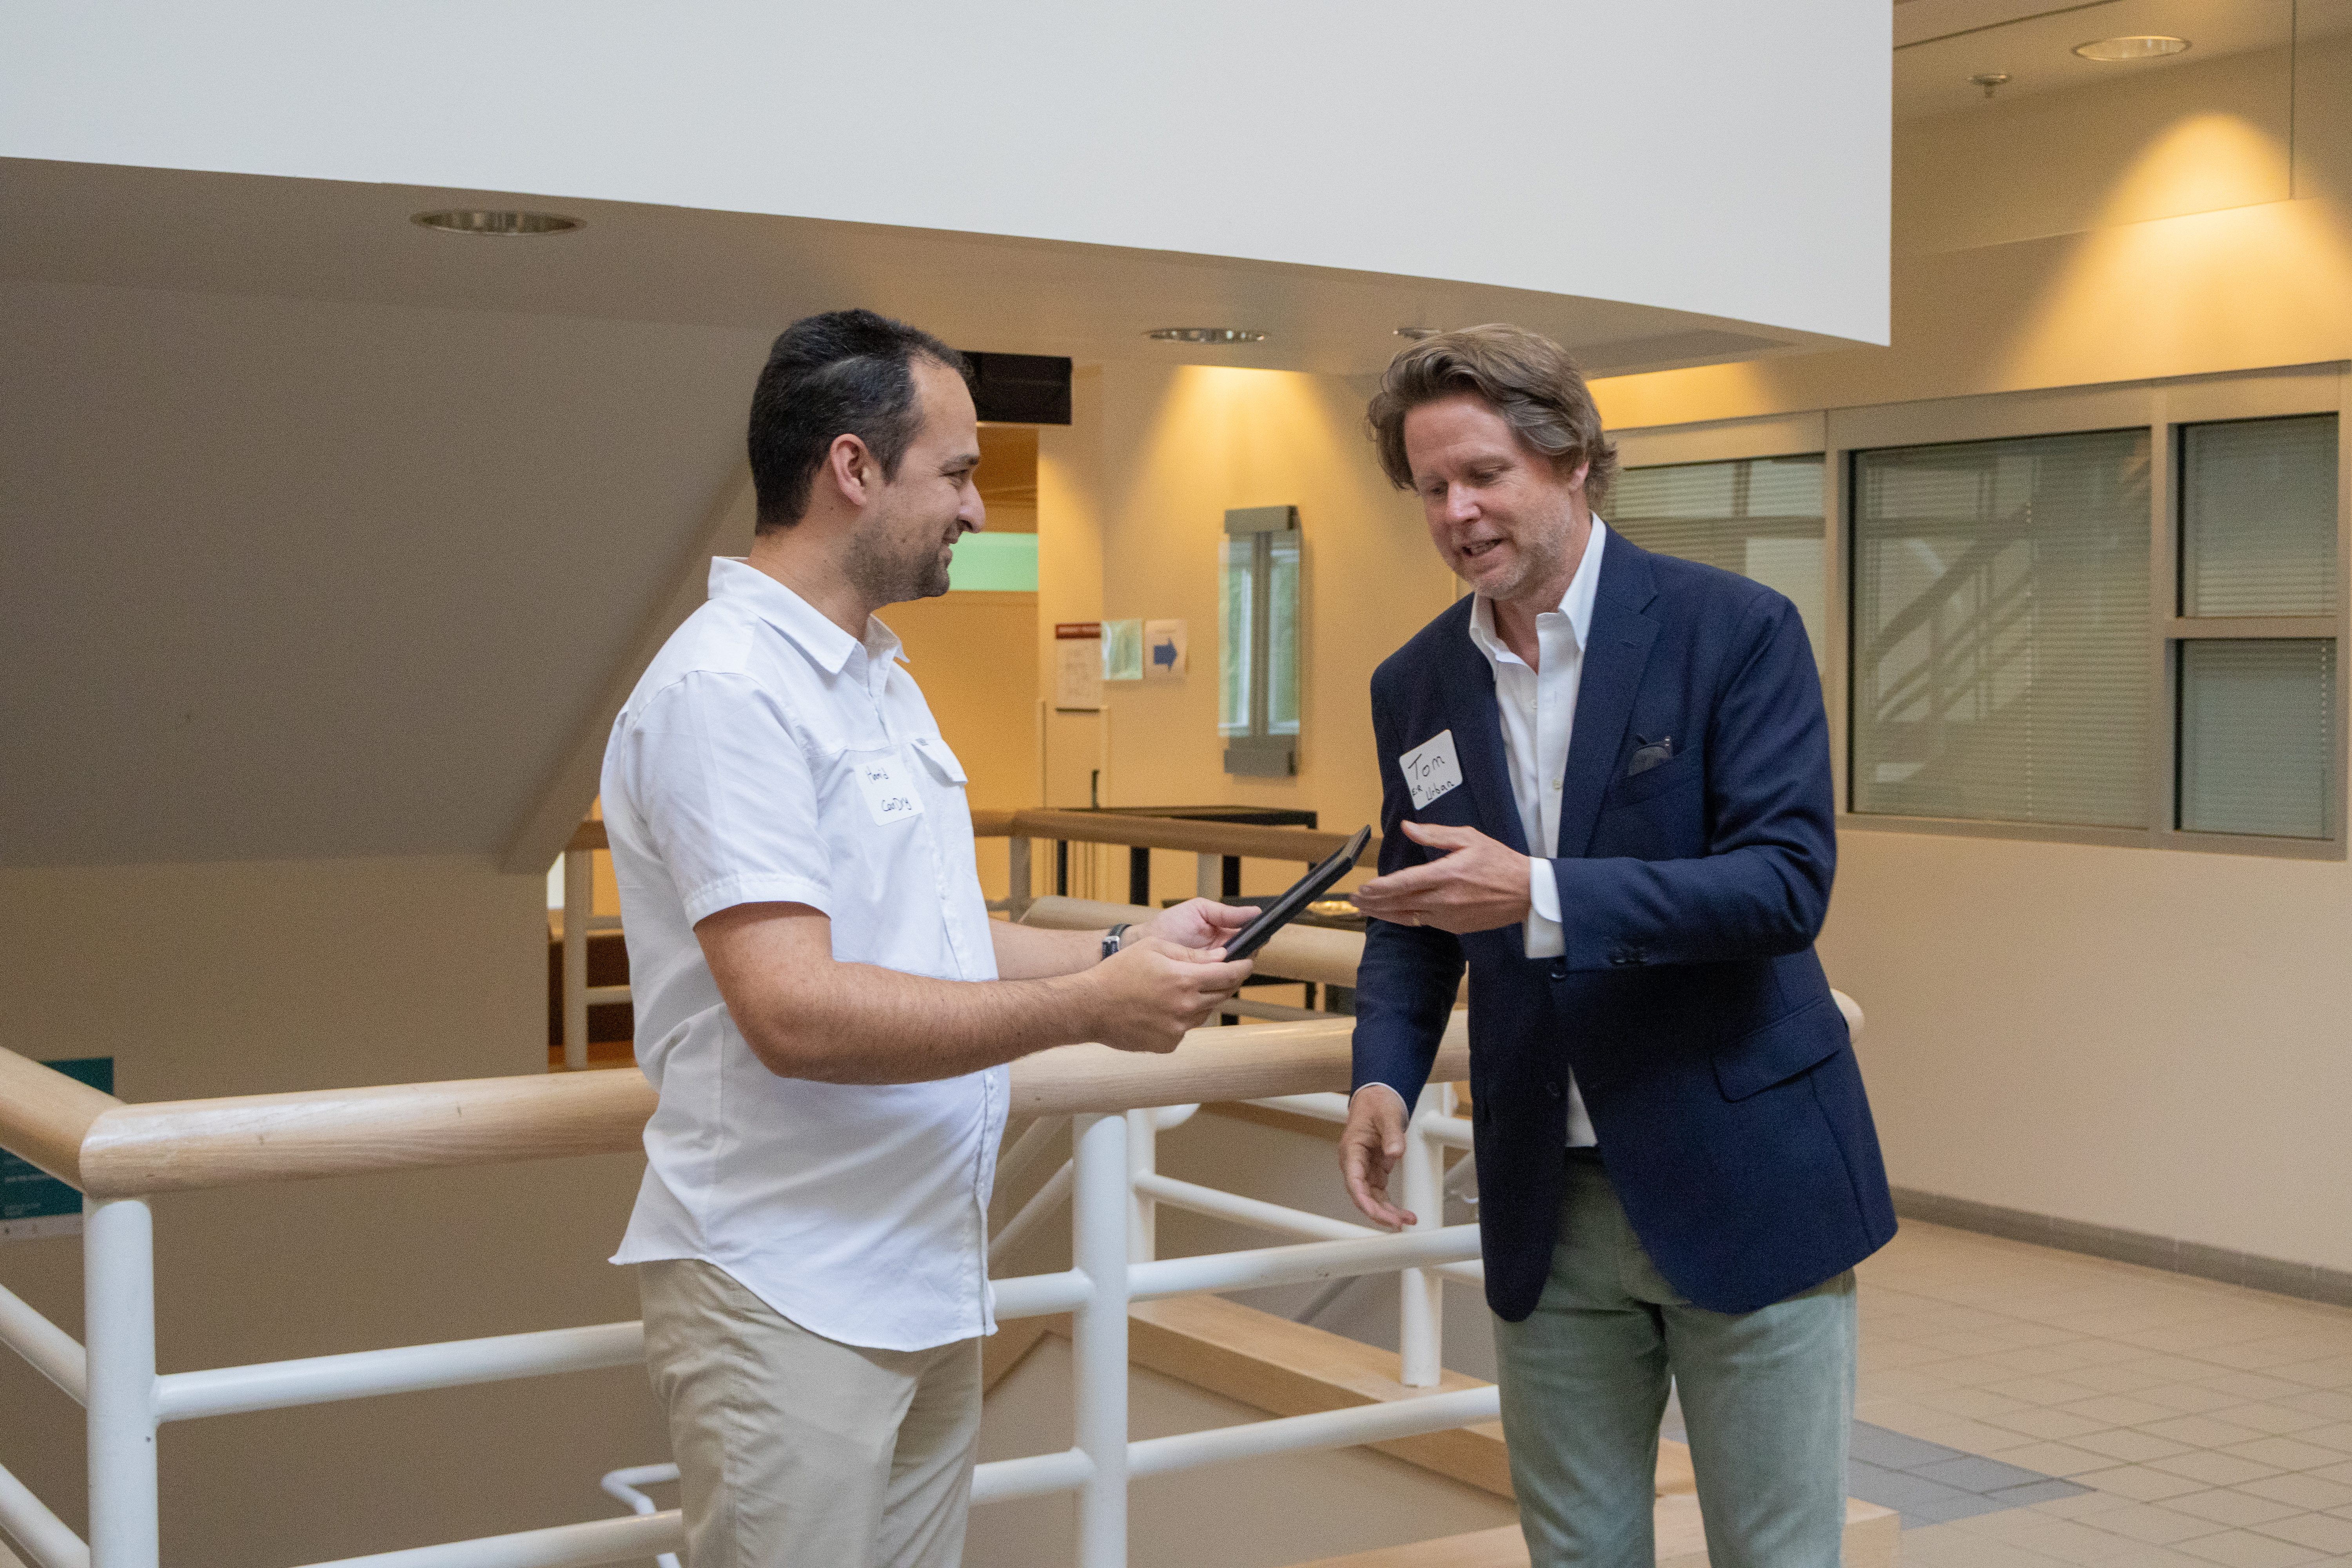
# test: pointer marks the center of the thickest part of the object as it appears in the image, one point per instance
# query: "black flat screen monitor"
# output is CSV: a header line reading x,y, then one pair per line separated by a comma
x,y
1303,892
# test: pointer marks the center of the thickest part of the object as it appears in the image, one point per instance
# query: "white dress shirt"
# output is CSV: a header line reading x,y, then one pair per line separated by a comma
x,y
1539,713
768,756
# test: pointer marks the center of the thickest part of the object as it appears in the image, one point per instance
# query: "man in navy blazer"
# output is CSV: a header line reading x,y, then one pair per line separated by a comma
x,y
1606,791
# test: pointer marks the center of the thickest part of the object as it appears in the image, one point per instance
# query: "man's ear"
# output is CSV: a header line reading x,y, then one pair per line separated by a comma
x,y
1576,480
851,470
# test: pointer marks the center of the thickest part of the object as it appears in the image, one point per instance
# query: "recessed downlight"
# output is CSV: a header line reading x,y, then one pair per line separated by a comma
x,y
1417,333
1205,335
505,224
2139,47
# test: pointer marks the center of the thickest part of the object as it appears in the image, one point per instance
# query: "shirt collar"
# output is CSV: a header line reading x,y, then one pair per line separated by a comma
x,y
827,645
1576,603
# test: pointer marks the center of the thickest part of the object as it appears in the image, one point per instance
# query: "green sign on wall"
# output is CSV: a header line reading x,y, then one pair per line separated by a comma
x,y
32,1202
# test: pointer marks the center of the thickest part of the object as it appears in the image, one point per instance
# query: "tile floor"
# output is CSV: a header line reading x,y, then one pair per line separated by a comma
x,y
2208,1424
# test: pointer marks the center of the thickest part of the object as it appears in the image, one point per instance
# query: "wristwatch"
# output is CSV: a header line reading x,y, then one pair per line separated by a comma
x,y
1111,938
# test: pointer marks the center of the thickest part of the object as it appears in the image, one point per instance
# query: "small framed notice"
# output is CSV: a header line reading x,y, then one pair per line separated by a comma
x,y
1077,667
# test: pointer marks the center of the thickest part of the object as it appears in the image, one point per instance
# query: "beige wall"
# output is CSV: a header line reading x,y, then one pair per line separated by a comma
x,y
2159,1041
251,978
1148,487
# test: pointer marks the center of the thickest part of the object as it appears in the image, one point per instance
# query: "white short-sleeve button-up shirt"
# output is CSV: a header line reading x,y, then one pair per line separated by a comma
x,y
767,756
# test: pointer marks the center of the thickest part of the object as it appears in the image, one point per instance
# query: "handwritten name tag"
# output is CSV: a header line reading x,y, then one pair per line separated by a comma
x,y
1430,769
889,787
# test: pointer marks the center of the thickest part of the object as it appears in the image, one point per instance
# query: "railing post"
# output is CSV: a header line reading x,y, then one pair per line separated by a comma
x,y
1016,881
1208,877
579,903
1142,1160
1421,1310
1098,1238
118,1322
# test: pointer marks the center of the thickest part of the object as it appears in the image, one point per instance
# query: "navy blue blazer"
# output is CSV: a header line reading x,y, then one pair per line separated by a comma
x,y
1712,1058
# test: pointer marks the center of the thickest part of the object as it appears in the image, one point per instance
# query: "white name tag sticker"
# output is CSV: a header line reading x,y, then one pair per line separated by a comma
x,y
889,786
1430,769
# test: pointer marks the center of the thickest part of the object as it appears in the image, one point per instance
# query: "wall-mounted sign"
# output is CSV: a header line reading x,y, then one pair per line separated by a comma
x,y
1122,648
1077,667
1163,650
32,1202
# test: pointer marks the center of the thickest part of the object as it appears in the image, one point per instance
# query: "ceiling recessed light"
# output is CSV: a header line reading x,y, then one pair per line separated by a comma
x,y
507,224
2140,46
1206,335
1417,333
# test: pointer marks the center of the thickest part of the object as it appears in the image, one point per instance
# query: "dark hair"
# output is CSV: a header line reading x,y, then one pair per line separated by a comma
x,y
845,373
1528,379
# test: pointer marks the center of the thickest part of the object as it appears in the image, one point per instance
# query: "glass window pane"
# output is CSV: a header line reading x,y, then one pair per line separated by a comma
x,y
2256,718
1760,517
2000,630
1233,555
1282,634
2258,517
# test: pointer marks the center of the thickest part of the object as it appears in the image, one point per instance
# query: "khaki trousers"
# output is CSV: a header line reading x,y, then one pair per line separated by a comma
x,y
798,1451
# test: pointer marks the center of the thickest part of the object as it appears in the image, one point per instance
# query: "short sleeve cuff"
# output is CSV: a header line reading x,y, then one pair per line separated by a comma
x,y
729,892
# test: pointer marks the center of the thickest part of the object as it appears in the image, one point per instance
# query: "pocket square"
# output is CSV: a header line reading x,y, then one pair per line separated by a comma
x,y
1649,754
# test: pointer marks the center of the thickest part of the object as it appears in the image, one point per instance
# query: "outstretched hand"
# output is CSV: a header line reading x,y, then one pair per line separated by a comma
x,y
1477,884
1149,993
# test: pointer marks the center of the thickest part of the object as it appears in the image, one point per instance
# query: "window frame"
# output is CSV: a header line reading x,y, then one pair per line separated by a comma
x,y
2163,408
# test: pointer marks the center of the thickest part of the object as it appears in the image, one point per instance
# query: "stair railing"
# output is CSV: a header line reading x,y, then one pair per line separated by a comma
x,y
120,1155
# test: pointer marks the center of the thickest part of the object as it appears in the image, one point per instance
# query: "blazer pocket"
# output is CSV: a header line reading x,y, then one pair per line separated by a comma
x,y
1672,773
1780,1049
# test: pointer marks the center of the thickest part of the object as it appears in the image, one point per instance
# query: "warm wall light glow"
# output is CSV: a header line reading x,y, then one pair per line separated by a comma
x,y
2262,285
2202,164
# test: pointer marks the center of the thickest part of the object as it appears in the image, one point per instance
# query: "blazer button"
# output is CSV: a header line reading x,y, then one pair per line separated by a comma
x,y
1552,1089
1559,969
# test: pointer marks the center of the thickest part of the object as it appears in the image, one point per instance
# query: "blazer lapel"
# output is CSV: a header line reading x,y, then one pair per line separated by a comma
x,y
1615,652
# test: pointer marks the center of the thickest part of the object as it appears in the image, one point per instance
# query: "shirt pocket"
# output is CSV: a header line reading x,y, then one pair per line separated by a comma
x,y
941,761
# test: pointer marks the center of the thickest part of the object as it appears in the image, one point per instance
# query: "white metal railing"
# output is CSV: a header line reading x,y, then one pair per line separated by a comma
x,y
118,1154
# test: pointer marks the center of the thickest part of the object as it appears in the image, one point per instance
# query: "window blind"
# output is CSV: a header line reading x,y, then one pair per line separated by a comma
x,y
1760,517
2000,626
2258,517
2257,722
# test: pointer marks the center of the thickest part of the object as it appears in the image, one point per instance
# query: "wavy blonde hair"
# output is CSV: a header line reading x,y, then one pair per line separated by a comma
x,y
1526,377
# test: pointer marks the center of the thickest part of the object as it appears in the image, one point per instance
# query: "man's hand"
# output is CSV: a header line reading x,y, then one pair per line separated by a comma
x,y
1370,1147
1196,923
1477,884
1148,993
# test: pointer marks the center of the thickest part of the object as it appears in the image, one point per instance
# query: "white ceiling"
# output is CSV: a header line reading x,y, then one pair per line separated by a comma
x,y
327,535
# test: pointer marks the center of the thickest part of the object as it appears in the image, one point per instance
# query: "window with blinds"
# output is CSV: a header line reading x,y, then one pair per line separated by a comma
x,y
2257,716
2000,630
1760,517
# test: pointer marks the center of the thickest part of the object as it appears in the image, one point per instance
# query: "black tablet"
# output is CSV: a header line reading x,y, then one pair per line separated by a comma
x,y
1303,892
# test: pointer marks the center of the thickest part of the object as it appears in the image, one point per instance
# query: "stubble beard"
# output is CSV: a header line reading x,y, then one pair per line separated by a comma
x,y
882,576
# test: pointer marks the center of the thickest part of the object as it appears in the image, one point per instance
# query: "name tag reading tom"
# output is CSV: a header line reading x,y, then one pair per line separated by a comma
x,y
1430,769
889,787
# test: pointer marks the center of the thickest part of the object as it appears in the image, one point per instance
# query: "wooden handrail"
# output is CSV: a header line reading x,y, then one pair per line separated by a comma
x,y
45,1116
182,1145
1293,953
589,835
1303,843
987,823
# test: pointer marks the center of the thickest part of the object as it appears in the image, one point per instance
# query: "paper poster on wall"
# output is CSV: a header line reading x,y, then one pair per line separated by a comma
x,y
34,1204
1122,646
1077,667
1163,650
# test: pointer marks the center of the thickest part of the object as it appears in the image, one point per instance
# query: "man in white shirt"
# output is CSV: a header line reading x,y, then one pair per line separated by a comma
x,y
821,1001
1606,792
